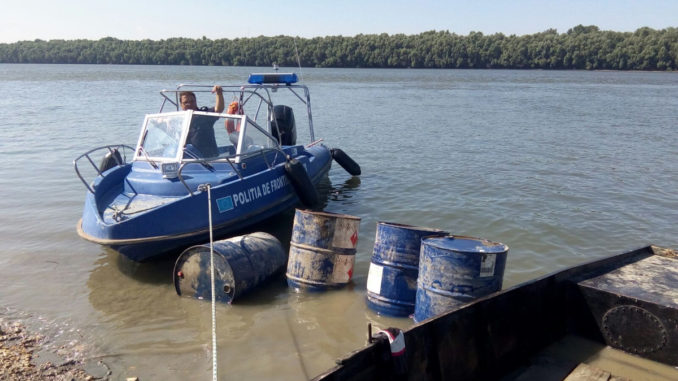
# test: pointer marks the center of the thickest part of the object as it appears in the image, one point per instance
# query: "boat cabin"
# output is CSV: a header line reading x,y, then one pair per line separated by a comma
x,y
172,138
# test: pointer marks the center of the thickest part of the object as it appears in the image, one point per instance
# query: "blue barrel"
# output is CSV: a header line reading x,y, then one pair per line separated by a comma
x,y
240,264
455,270
322,250
392,277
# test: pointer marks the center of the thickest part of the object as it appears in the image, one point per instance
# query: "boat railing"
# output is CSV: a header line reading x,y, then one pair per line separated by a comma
x,y
231,160
242,93
244,96
245,93
112,155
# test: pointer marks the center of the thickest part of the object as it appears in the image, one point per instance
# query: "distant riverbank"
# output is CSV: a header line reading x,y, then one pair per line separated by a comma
x,y
580,48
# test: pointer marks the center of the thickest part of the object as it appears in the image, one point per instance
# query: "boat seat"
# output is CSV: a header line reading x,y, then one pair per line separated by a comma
x,y
226,150
234,139
201,136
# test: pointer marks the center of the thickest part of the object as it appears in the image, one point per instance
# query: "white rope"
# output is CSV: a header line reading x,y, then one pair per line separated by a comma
x,y
214,303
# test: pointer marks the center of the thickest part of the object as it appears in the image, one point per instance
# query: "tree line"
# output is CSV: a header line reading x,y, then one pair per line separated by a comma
x,y
581,47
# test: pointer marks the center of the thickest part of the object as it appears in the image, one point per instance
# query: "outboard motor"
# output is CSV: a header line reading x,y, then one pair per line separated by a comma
x,y
284,121
111,159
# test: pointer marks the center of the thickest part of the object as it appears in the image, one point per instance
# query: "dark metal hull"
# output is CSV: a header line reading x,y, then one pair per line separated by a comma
x,y
493,338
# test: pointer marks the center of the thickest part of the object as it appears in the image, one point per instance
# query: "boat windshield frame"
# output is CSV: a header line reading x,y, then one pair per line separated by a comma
x,y
174,133
169,133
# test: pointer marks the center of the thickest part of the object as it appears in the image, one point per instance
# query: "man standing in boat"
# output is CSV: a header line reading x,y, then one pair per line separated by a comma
x,y
201,132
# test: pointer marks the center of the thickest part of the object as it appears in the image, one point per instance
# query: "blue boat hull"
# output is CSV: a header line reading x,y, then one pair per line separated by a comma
x,y
175,219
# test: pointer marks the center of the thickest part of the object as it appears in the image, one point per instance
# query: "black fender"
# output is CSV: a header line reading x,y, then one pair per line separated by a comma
x,y
345,161
301,182
111,160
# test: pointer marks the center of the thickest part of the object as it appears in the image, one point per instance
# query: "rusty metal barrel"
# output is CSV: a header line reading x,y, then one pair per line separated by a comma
x,y
240,264
454,270
322,250
394,267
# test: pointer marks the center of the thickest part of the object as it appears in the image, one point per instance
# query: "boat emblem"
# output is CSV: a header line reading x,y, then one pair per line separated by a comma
x,y
225,204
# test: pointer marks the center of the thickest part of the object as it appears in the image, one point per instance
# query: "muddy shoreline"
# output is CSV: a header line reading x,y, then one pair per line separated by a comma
x,y
19,359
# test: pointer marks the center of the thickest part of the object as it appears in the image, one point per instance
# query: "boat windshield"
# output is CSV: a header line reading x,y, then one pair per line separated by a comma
x,y
174,136
162,135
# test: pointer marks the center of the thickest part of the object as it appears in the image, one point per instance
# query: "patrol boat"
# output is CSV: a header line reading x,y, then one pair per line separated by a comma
x,y
152,199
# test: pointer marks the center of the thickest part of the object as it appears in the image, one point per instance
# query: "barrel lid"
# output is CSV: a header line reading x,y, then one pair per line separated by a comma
x,y
192,275
466,244
327,214
422,229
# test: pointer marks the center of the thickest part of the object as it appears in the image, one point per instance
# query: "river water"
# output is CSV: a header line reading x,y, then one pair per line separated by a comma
x,y
563,167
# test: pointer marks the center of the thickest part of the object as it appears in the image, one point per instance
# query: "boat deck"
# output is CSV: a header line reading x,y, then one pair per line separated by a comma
x,y
125,206
574,358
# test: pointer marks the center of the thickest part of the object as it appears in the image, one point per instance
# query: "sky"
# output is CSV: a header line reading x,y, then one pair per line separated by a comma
x,y
155,19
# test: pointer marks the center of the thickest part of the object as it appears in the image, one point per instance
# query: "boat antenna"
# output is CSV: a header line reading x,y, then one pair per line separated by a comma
x,y
296,51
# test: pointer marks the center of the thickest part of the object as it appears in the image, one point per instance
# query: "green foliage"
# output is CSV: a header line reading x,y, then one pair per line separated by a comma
x,y
581,47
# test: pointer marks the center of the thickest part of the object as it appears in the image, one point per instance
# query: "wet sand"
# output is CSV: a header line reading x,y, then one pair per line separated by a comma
x,y
18,359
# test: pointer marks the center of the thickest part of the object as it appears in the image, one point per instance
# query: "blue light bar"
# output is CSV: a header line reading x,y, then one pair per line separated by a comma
x,y
261,78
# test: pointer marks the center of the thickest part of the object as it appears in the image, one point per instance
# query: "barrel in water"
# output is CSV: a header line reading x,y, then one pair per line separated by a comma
x,y
322,251
240,264
454,270
392,278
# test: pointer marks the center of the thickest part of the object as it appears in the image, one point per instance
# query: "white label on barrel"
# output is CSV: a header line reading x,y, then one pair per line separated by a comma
x,y
374,278
487,263
343,268
345,234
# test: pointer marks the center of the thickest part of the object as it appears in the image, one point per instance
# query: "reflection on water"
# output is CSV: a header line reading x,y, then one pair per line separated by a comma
x,y
152,272
343,193
303,332
296,335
